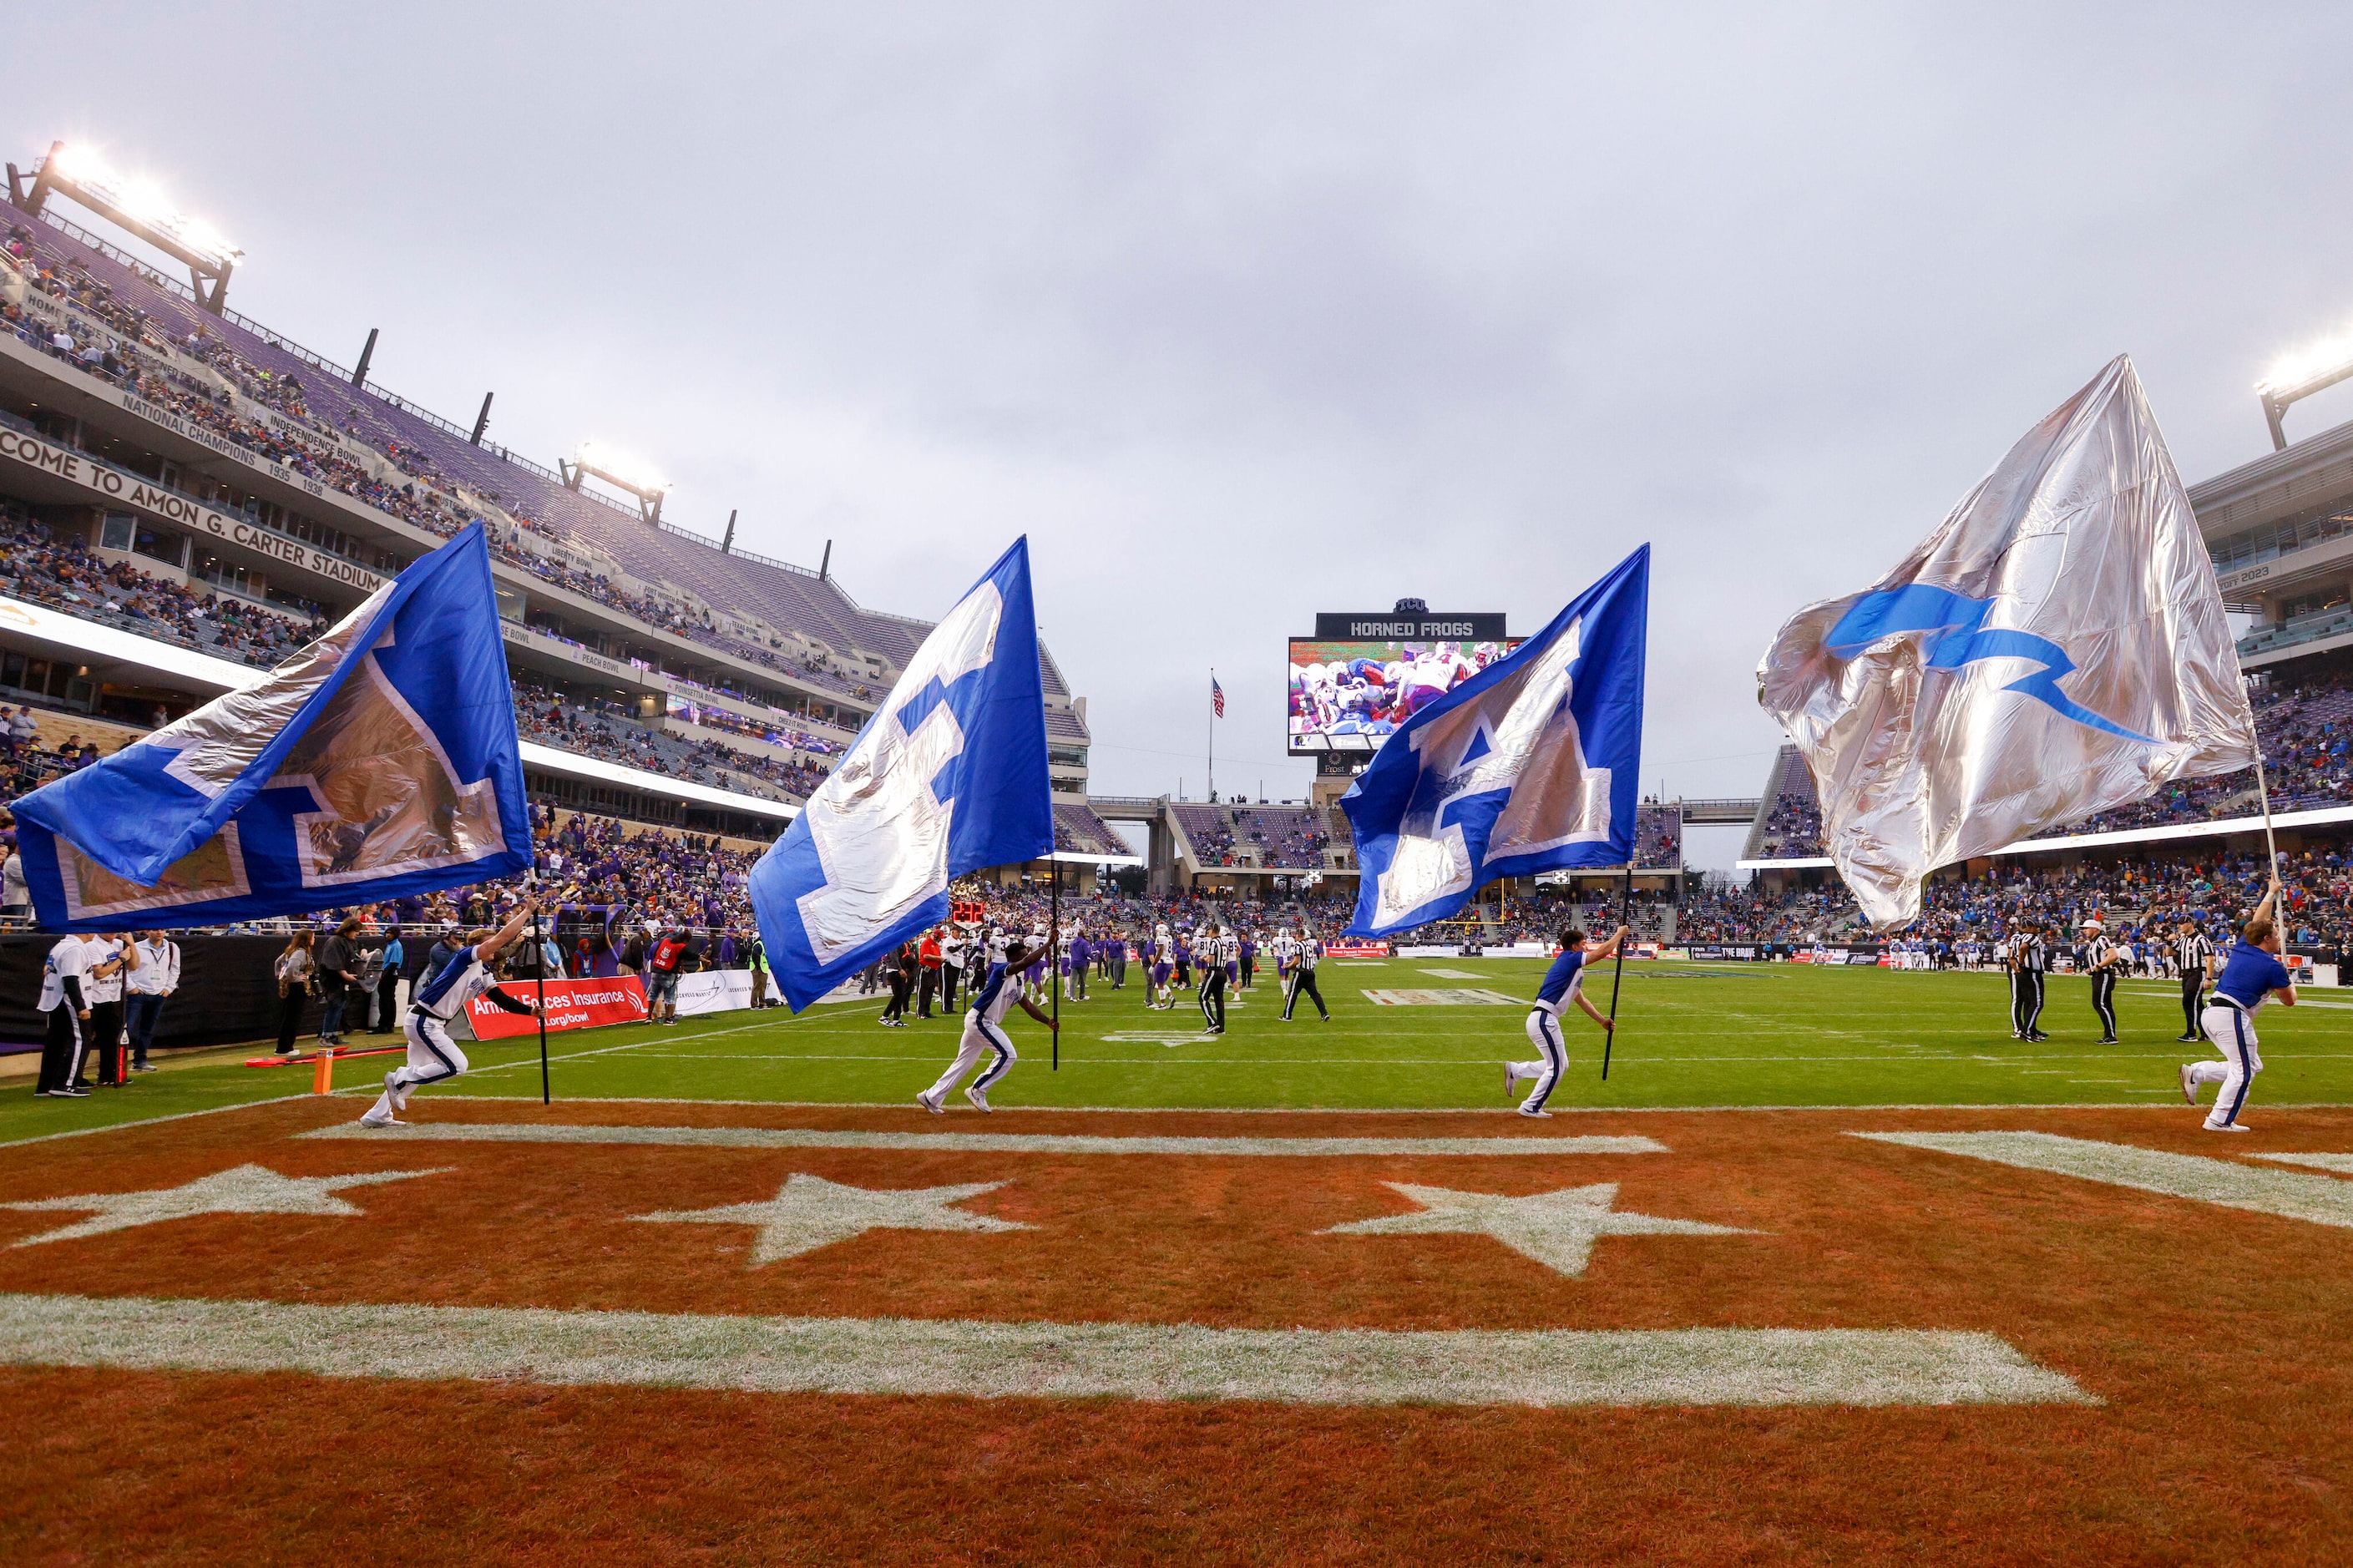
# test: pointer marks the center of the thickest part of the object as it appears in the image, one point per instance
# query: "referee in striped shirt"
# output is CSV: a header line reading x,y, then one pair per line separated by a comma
x,y
2030,960
2102,956
2193,957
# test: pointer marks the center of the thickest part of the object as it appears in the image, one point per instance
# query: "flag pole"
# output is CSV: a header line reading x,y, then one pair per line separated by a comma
x,y
539,963
1054,953
1625,908
2264,788
1213,734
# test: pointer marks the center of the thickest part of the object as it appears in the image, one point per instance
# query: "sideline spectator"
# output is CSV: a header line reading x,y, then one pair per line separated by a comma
x,y
387,985
156,978
756,956
16,899
294,966
339,978
450,945
66,1011
109,958
662,967
927,963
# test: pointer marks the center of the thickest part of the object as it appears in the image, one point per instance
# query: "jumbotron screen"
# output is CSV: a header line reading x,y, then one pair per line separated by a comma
x,y
1350,695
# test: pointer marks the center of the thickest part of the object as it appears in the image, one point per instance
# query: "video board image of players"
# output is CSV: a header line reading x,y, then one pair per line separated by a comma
x,y
1364,690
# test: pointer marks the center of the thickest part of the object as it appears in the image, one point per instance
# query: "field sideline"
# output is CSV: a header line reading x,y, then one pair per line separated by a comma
x,y
733,1299
1693,1035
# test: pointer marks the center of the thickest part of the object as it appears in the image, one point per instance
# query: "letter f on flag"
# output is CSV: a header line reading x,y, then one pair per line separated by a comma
x,y
948,777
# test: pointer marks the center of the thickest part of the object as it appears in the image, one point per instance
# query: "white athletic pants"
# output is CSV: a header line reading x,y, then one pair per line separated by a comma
x,y
979,1039
2234,1036
432,1057
1544,1028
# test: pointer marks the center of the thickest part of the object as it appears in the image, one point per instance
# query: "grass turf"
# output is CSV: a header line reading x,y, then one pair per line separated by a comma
x,y
1692,1034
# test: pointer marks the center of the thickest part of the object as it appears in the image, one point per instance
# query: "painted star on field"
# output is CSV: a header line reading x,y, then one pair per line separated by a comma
x,y
809,1212
247,1189
1555,1228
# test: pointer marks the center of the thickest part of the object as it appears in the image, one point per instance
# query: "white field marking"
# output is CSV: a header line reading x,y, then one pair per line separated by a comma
x,y
2341,1164
151,1120
1170,1041
809,1212
1454,974
1467,997
1675,1061
2323,1200
1487,1110
969,1143
1555,1228
242,1189
952,1357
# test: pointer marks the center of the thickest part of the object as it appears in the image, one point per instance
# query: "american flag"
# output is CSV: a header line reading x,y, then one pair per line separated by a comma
x,y
1217,696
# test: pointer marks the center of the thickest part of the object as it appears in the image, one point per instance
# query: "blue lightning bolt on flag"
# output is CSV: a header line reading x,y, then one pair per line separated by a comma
x,y
378,763
948,777
2056,648
1531,765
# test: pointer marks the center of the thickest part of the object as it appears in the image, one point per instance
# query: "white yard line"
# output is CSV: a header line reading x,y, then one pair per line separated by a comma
x,y
2342,1164
900,1356
973,1142
2323,1200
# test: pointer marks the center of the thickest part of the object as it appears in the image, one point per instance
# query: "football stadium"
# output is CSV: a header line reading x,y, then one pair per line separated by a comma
x,y
482,944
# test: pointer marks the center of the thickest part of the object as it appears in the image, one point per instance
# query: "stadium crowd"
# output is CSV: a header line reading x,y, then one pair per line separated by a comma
x,y
2306,729
598,728
143,357
2127,894
57,570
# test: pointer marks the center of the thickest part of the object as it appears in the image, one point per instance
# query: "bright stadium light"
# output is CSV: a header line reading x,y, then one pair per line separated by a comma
x,y
622,468
2314,368
137,205
622,471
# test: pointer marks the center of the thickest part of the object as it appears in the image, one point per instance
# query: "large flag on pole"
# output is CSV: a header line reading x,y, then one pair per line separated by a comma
x,y
379,762
2056,647
948,777
1531,765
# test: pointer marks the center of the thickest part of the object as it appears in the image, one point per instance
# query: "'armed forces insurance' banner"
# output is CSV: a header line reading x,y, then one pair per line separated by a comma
x,y
571,1004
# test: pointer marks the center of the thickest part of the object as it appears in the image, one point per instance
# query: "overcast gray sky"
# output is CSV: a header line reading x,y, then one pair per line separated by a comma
x,y
1245,312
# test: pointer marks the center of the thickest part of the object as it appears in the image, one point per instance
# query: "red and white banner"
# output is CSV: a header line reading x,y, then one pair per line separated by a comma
x,y
1356,950
571,1004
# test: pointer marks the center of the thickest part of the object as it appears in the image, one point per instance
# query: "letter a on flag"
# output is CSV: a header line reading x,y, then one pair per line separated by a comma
x,y
948,777
1531,765
379,762
2056,648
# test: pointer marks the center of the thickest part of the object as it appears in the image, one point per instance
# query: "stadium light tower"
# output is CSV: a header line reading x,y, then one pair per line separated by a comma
x,y
619,470
2299,375
135,206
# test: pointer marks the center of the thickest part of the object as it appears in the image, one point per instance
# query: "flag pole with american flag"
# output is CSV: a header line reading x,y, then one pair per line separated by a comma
x,y
1217,712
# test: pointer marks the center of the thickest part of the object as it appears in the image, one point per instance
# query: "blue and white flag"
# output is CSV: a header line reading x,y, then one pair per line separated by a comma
x,y
1531,765
2056,648
379,762
949,776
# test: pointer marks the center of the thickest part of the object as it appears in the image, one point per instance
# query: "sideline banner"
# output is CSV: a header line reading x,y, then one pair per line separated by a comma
x,y
713,991
1356,950
571,1004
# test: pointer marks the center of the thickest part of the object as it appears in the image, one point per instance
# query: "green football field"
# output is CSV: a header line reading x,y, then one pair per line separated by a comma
x,y
1691,1034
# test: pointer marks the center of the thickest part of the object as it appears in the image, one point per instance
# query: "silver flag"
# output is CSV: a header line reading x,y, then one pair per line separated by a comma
x,y
2056,648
